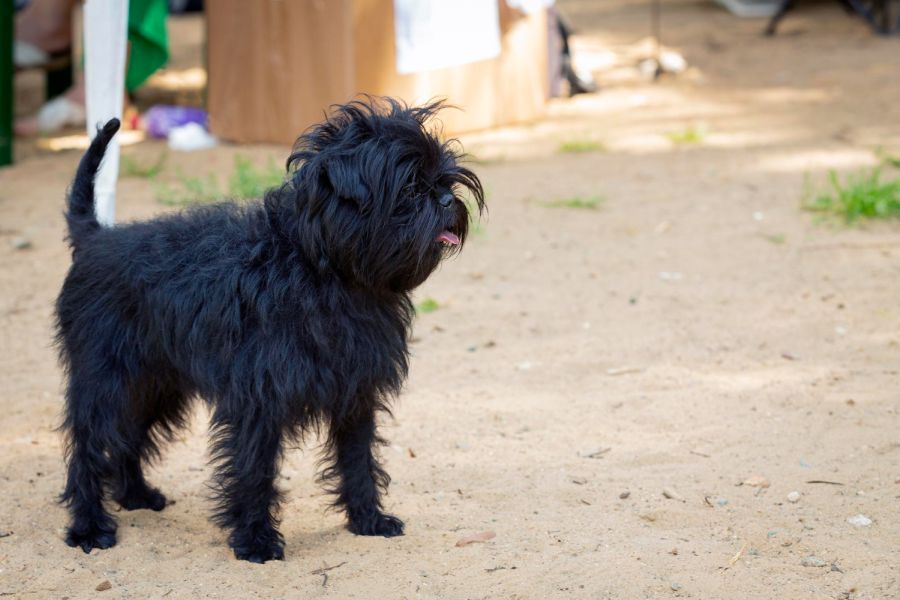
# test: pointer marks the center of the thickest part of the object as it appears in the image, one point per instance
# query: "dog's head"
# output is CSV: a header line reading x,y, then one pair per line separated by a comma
x,y
379,196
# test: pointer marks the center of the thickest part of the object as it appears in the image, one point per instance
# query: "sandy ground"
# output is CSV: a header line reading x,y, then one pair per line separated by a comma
x,y
696,331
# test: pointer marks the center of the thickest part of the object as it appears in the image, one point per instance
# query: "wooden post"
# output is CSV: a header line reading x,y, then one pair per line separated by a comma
x,y
6,82
105,42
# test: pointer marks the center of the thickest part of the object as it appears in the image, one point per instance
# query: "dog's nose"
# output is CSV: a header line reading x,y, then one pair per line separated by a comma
x,y
446,200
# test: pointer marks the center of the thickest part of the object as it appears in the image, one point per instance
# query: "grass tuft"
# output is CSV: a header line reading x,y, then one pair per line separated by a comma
x,y
775,238
691,135
581,146
427,305
248,181
245,182
189,190
577,202
862,195
888,159
130,167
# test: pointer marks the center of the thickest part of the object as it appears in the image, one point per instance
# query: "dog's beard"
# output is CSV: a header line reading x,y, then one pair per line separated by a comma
x,y
401,256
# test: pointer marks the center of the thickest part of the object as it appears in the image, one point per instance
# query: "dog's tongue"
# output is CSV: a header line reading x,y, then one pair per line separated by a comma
x,y
448,238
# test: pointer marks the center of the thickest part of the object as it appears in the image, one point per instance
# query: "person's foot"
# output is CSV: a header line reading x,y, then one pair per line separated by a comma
x,y
29,56
55,115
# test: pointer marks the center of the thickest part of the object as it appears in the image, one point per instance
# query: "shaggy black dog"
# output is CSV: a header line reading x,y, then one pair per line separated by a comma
x,y
284,315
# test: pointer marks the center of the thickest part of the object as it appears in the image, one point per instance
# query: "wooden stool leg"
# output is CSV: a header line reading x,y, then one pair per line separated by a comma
x,y
785,7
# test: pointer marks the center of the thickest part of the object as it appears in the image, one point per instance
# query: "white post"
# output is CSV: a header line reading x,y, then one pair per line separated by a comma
x,y
105,44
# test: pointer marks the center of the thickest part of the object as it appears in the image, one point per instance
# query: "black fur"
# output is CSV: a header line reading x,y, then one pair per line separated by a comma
x,y
284,315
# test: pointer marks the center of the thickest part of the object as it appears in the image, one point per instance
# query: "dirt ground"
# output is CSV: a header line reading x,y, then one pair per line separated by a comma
x,y
696,331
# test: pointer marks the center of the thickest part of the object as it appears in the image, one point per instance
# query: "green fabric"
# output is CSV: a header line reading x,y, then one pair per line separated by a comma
x,y
149,48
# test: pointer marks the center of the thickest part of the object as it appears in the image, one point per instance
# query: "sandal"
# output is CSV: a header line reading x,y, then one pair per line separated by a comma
x,y
29,56
54,116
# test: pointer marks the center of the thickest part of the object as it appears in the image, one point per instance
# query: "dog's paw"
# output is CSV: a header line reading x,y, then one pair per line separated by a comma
x,y
148,497
376,524
258,548
259,555
90,537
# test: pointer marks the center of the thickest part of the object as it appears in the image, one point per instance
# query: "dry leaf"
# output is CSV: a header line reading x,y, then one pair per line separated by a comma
x,y
594,453
757,481
476,538
624,370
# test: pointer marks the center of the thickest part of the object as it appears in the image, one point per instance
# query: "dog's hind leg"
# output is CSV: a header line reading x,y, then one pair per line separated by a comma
x,y
92,437
357,478
132,491
159,409
247,450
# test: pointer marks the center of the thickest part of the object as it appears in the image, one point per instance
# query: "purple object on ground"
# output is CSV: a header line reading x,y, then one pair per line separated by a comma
x,y
161,119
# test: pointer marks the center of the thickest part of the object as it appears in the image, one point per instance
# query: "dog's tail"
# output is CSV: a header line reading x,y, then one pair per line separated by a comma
x,y
80,210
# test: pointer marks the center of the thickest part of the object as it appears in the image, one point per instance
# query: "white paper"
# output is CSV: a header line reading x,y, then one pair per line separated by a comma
x,y
105,41
434,34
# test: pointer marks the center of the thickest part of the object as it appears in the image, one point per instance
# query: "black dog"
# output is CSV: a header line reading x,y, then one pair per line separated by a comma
x,y
284,315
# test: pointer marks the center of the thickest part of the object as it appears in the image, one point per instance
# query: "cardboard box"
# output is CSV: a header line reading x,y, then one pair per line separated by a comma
x,y
275,67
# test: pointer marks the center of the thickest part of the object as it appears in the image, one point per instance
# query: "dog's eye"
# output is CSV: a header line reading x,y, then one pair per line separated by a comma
x,y
446,200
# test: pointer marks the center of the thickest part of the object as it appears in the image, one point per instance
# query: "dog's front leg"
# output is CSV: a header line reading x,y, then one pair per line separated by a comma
x,y
247,449
358,480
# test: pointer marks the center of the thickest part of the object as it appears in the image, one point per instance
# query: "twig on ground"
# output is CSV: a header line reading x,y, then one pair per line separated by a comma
x,y
323,572
737,556
327,568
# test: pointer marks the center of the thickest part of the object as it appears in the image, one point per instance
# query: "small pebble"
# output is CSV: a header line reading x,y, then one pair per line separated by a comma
x,y
21,243
624,495
793,497
670,276
860,521
675,587
672,494
813,561
106,585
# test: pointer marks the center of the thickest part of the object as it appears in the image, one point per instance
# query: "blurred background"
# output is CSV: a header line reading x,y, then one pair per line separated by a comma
x,y
666,364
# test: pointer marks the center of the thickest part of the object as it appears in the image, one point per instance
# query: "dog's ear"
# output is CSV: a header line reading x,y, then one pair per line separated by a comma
x,y
344,178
